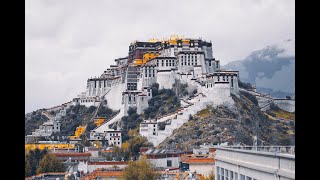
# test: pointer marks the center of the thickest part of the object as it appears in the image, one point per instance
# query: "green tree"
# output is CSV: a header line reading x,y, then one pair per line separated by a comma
x,y
84,140
140,170
32,159
136,143
49,163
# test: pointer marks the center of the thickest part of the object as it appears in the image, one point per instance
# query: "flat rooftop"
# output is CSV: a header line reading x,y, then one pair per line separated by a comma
x,y
284,151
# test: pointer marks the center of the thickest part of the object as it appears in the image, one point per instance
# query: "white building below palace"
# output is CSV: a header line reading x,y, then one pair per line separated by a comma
x,y
252,163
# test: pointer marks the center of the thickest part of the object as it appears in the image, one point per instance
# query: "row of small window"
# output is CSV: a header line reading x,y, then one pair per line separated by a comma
x,y
217,65
90,100
168,62
100,84
114,134
225,174
115,138
134,99
184,62
193,56
132,86
114,143
224,78
150,75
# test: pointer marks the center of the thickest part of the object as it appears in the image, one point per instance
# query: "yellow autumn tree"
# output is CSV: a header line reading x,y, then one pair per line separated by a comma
x,y
210,176
140,170
125,146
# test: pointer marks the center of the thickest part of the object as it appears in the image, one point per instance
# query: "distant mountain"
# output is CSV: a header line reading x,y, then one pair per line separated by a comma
x,y
271,69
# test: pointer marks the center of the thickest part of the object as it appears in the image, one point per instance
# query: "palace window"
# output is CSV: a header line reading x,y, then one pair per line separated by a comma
x,y
169,163
232,82
222,173
195,62
227,174
242,177
209,63
231,175
218,173
162,63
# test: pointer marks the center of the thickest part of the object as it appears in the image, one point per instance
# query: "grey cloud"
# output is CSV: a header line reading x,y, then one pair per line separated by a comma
x,y
82,38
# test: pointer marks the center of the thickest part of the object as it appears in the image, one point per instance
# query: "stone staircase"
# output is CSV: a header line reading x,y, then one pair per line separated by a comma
x,y
178,118
105,126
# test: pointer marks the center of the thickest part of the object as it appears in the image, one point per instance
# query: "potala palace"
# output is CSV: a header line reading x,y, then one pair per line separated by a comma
x,y
168,61
170,64
176,60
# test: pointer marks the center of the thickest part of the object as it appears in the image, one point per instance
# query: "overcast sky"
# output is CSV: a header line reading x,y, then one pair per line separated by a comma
x,y
68,42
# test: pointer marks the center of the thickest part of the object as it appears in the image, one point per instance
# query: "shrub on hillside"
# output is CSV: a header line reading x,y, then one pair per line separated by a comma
x,y
274,107
161,125
251,97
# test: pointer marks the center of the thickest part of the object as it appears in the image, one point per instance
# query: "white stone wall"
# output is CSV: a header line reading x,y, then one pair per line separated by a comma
x,y
149,76
197,72
219,94
142,103
83,166
165,80
259,165
285,104
114,96
203,169
162,162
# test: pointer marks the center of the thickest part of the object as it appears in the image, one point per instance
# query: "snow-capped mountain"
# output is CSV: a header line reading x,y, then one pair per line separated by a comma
x,y
271,69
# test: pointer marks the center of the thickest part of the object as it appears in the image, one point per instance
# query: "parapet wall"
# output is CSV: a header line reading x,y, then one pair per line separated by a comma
x,y
114,96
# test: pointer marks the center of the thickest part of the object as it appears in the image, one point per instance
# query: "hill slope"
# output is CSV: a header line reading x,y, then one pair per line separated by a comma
x,y
233,125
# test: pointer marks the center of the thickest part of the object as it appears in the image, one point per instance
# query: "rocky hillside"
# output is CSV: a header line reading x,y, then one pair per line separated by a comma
x,y
75,116
33,120
236,124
